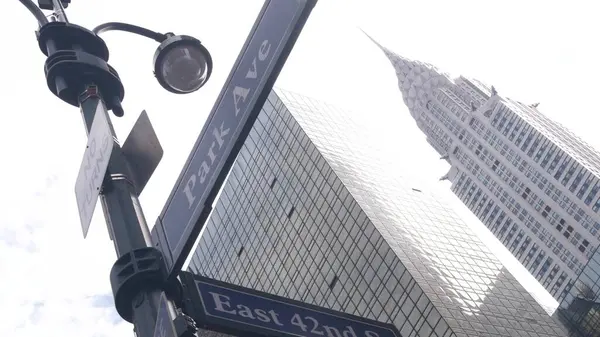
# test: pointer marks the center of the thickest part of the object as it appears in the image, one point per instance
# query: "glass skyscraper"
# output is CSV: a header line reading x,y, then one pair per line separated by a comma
x,y
580,310
533,183
316,209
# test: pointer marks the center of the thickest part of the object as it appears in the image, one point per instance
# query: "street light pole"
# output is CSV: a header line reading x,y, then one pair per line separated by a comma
x,y
137,276
78,73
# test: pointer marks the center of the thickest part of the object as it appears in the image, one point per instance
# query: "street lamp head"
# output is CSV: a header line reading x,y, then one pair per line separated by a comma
x,y
182,64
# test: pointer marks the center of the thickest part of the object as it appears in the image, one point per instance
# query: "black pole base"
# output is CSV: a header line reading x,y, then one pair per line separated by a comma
x,y
141,269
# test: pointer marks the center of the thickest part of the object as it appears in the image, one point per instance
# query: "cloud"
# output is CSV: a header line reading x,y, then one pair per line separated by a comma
x,y
102,301
68,316
10,237
35,315
53,281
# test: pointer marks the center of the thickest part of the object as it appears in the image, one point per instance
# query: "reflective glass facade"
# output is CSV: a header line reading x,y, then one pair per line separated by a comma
x,y
533,183
580,310
316,209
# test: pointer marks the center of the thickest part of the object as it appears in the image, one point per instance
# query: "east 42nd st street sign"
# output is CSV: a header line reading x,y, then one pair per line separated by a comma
x,y
241,311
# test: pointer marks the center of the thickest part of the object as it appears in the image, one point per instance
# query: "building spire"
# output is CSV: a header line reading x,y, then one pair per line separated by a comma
x,y
416,79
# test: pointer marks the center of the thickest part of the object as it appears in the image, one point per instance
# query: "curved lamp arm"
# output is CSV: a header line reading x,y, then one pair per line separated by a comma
x,y
36,11
105,27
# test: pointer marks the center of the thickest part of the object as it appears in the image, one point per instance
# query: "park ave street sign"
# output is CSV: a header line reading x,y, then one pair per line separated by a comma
x,y
93,167
243,95
241,311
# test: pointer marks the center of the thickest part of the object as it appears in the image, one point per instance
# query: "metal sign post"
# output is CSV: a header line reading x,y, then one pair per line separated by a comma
x,y
243,95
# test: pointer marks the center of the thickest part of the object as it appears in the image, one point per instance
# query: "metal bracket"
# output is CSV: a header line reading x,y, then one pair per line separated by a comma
x,y
132,273
90,92
72,51
185,326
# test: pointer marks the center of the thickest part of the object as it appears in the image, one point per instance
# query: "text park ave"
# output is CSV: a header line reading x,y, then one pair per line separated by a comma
x,y
238,94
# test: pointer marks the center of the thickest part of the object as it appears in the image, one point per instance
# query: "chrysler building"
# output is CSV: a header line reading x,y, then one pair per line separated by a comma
x,y
532,182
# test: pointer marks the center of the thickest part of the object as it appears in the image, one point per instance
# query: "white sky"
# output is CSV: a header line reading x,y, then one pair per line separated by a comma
x,y
54,281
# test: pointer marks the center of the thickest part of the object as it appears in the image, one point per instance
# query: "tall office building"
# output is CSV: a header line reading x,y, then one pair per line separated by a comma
x,y
316,209
533,183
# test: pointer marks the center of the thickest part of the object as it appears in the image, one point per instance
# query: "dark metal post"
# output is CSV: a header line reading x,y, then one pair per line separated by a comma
x,y
124,217
78,73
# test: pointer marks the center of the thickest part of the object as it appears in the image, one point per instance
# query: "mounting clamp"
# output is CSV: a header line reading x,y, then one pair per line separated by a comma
x,y
139,270
76,58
